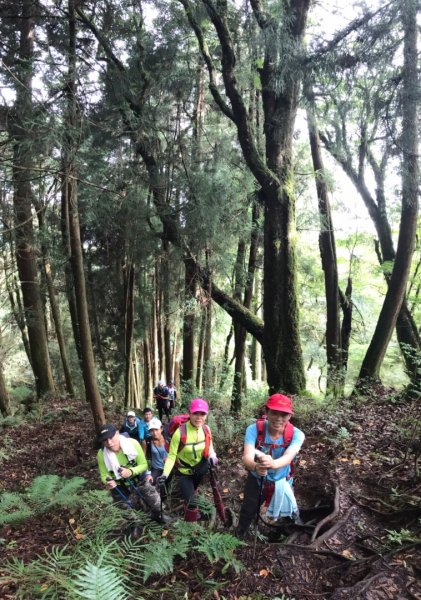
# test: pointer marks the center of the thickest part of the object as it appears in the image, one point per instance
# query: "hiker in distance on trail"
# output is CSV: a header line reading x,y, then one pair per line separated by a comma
x,y
161,396
270,446
191,450
133,427
124,471
172,391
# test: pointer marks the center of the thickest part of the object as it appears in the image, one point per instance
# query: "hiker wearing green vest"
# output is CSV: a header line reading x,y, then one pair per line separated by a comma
x,y
191,450
270,447
124,472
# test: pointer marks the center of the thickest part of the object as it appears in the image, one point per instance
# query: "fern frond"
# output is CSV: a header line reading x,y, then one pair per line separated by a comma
x,y
99,582
13,508
219,546
49,490
42,489
157,559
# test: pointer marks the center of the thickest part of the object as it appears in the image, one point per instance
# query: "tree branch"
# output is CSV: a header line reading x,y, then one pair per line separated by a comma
x,y
208,60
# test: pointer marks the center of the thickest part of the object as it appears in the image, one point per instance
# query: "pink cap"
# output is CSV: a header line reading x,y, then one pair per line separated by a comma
x,y
280,402
198,405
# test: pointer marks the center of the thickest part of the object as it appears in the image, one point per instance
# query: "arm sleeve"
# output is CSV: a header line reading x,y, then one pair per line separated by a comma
x,y
172,454
297,439
103,473
250,436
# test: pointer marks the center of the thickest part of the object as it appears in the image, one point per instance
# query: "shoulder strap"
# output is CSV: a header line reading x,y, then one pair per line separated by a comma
x,y
183,436
207,433
260,426
288,434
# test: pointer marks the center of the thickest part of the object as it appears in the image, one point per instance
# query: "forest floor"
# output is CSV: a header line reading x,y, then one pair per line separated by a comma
x,y
356,482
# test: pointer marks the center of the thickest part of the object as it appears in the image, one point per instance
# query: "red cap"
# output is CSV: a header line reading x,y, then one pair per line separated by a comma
x,y
280,402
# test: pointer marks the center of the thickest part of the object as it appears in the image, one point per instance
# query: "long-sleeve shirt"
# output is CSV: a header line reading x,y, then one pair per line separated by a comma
x,y
138,466
191,454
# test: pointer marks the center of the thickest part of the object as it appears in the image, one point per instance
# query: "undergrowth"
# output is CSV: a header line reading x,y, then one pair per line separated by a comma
x,y
44,493
102,561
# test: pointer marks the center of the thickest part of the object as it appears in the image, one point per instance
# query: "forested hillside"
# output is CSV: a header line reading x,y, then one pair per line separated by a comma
x,y
223,194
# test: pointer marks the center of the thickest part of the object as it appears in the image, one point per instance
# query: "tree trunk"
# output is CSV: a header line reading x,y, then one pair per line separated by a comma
x,y
55,310
5,409
188,322
207,347
129,275
16,306
154,337
335,375
94,314
88,361
200,350
167,310
281,341
395,294
22,198
147,371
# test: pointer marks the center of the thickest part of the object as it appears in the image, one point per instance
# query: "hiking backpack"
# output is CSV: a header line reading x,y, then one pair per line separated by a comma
x,y
288,435
180,422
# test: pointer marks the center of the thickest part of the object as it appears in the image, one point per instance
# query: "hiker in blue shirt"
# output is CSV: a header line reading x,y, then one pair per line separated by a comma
x,y
145,435
270,446
132,426
158,450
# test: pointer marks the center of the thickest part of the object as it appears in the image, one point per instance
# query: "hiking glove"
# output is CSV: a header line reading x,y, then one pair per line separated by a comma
x,y
213,459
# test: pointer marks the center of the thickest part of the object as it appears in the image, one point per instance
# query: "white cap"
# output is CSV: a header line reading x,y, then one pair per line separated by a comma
x,y
154,423
131,413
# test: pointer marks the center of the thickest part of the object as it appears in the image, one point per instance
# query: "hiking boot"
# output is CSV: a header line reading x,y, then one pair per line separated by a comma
x,y
242,534
164,519
296,518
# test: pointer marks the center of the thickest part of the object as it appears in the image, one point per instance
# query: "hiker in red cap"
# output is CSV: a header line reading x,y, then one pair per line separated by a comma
x,y
190,451
270,446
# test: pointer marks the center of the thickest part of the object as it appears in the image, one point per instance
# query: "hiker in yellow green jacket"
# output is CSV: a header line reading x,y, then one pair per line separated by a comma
x,y
190,451
124,471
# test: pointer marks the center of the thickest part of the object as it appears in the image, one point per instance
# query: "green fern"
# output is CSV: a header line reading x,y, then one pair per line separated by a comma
x,y
99,582
13,508
157,559
49,490
43,493
220,546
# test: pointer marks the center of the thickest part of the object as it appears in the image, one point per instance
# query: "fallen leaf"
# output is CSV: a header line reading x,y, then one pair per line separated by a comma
x,y
164,533
72,521
356,461
226,490
43,588
347,554
343,459
264,573
80,536
303,462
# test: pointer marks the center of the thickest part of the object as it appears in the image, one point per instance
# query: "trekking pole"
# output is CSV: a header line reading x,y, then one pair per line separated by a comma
x,y
262,481
136,490
120,493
